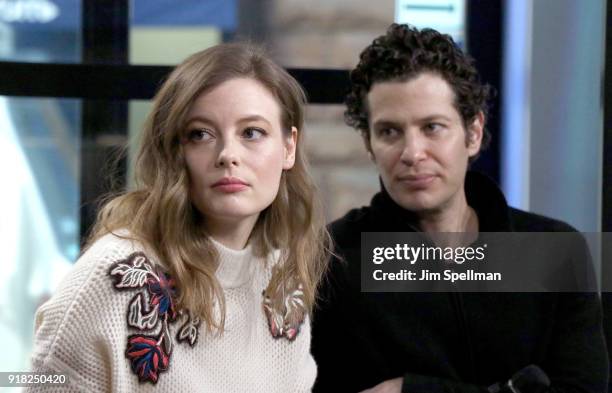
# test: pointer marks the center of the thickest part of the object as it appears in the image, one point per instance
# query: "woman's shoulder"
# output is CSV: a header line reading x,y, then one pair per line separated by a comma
x,y
90,305
92,274
112,264
111,247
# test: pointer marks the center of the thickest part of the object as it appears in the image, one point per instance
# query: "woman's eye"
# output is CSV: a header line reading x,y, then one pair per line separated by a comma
x,y
200,135
253,133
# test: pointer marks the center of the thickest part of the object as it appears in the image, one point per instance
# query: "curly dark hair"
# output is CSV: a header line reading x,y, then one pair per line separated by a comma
x,y
403,53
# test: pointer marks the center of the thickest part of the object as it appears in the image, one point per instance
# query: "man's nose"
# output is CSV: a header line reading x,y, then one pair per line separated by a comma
x,y
414,148
228,154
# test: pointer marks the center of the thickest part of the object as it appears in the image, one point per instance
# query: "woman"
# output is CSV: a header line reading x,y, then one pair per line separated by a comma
x,y
169,291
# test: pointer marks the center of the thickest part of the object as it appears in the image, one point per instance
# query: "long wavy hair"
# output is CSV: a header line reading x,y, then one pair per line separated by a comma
x,y
159,214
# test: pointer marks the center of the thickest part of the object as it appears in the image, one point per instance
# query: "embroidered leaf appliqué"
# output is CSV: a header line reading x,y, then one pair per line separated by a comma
x,y
166,339
138,316
162,291
189,331
147,357
288,323
275,320
151,309
133,271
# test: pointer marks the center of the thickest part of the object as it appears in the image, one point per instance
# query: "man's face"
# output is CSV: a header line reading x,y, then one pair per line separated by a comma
x,y
418,142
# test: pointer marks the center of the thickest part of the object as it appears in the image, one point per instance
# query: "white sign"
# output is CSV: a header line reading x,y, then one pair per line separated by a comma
x,y
446,16
28,11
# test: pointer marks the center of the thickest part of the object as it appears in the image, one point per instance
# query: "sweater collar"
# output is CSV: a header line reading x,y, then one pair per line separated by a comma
x,y
236,267
482,194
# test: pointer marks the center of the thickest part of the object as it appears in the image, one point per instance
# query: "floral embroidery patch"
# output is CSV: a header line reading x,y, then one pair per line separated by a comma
x,y
279,323
151,310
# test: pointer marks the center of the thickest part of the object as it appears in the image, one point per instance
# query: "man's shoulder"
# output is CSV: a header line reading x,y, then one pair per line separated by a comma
x,y
349,227
524,221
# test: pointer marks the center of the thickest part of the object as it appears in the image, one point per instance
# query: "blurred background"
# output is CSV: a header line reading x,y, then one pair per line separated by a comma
x,y
76,78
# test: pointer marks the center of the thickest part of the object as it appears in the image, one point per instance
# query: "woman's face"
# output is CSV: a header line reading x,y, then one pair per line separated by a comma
x,y
235,150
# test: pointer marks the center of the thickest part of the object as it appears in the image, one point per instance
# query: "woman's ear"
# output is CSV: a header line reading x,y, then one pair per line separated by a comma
x,y
475,132
290,148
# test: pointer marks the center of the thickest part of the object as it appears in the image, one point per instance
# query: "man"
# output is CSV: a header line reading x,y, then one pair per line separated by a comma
x,y
417,101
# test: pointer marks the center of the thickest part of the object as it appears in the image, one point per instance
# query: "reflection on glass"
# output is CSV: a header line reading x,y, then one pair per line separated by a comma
x,y
39,163
39,225
42,31
162,34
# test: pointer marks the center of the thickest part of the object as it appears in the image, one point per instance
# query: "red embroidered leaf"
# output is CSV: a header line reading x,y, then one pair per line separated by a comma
x,y
147,357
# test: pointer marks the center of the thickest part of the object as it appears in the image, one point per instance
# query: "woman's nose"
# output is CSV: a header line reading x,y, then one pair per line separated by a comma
x,y
228,155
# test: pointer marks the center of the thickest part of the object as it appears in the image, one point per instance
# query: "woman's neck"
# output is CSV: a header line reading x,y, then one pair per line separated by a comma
x,y
232,233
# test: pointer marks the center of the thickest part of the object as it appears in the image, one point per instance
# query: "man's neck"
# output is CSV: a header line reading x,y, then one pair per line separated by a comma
x,y
457,227
455,216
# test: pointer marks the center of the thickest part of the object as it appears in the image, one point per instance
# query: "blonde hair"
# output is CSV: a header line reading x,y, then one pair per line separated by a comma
x,y
159,213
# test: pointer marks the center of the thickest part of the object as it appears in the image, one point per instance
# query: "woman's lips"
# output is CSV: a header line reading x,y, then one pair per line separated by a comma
x,y
230,185
417,181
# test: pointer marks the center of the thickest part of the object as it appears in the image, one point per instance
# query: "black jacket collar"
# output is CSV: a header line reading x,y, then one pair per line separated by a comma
x,y
483,195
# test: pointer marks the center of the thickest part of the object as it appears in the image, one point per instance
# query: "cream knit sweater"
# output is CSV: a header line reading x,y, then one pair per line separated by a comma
x,y
83,331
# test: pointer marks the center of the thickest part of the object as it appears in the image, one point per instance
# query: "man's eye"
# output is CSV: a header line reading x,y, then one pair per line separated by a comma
x,y
387,132
253,133
433,127
200,135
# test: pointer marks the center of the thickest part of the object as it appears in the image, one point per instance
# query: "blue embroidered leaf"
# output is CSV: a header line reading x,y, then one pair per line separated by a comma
x,y
138,317
163,291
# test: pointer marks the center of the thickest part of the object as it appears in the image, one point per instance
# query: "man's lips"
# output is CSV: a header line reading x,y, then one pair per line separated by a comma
x,y
417,181
230,184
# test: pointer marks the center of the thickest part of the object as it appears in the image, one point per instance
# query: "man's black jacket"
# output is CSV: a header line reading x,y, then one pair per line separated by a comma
x,y
450,342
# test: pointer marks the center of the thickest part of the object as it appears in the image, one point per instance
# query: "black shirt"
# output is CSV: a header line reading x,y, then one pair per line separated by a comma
x,y
450,342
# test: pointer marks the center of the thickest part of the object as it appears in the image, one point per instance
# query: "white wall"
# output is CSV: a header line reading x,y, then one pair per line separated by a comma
x,y
553,113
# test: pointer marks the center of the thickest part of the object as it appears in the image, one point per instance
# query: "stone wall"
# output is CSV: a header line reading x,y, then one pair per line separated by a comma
x,y
324,34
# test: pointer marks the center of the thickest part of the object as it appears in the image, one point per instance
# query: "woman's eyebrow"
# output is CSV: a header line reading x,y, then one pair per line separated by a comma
x,y
244,119
250,118
201,119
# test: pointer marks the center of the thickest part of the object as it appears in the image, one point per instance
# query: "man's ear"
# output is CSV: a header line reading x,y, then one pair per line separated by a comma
x,y
365,136
290,148
474,134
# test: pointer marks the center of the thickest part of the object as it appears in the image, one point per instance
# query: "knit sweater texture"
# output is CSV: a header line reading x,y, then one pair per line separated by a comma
x,y
87,329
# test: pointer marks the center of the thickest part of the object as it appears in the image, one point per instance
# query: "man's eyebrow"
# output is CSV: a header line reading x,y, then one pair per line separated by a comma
x,y
434,117
386,123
